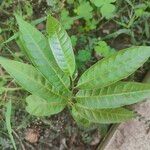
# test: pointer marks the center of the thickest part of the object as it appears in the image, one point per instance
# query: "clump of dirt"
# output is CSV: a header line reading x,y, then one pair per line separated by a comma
x,y
59,132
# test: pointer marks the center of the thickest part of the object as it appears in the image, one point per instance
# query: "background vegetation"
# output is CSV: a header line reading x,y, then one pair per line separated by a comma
x,y
97,29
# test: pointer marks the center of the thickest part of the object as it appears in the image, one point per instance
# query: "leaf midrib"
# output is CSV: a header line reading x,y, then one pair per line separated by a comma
x,y
81,83
37,83
104,114
56,36
109,95
46,61
65,59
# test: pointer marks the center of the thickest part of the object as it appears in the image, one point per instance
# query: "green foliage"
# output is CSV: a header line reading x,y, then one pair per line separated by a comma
x,y
100,93
104,115
114,68
83,57
108,11
84,10
74,40
81,121
41,104
106,7
26,74
100,3
60,45
103,49
66,20
28,8
37,49
116,95
91,24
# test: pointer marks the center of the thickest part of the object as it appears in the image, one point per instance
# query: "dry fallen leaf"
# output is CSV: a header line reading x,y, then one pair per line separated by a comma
x,y
32,135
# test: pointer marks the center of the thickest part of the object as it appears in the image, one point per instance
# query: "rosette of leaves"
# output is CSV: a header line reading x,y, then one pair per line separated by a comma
x,y
99,95
107,8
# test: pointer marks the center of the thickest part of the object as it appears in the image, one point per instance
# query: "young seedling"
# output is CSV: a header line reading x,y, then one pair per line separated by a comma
x,y
97,96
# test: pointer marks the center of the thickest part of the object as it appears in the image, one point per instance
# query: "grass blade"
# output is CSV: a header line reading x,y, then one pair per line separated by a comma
x,y
8,122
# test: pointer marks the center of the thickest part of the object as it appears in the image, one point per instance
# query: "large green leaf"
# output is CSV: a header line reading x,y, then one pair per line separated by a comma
x,y
38,106
114,68
117,95
61,46
104,115
36,47
32,80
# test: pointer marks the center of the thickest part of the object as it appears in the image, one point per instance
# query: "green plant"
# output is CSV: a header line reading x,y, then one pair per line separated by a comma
x,y
82,58
107,9
97,96
80,10
103,49
66,20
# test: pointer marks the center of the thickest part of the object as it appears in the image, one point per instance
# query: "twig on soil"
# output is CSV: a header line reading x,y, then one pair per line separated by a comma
x,y
23,148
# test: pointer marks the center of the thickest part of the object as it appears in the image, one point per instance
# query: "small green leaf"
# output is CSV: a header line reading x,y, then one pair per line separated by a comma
x,y
106,7
139,12
38,106
66,20
108,10
83,56
114,68
60,45
103,49
74,40
84,10
105,116
117,95
99,3
91,24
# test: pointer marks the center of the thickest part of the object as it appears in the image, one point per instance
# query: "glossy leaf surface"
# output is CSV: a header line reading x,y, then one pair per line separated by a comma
x,y
105,115
37,49
117,95
30,79
60,45
38,106
114,68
